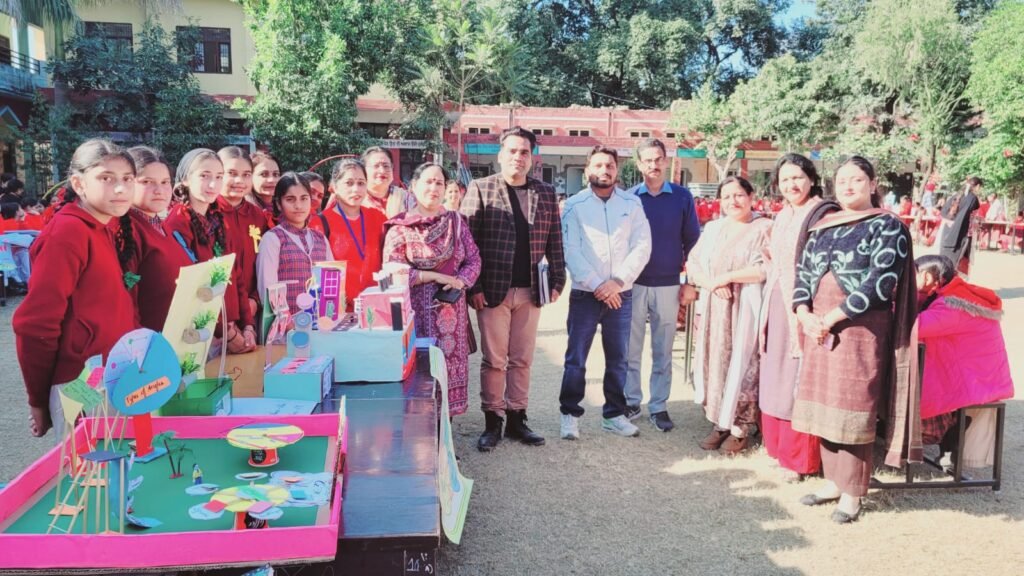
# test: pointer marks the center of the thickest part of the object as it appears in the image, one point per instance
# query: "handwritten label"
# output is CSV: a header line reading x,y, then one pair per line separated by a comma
x,y
146,391
419,562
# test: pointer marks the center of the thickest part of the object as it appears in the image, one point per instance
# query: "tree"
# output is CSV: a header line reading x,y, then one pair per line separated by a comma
x,y
917,50
467,56
714,118
148,95
997,69
779,102
643,54
996,152
313,59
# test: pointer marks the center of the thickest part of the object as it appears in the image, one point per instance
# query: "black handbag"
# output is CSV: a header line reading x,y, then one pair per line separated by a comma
x,y
450,296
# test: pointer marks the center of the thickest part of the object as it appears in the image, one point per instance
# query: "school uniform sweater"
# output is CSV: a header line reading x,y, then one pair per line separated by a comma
x,y
245,224
77,305
157,260
178,221
347,243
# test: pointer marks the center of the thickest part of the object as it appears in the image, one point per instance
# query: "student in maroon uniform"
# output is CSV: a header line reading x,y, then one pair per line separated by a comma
x,y
149,258
265,173
77,305
244,223
196,222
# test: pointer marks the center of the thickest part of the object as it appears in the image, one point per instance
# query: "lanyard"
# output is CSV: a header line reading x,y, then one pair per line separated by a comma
x,y
362,223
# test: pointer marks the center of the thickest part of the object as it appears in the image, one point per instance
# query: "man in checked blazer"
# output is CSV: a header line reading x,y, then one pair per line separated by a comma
x,y
515,223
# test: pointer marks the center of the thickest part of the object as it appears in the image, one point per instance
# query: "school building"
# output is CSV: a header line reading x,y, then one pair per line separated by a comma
x,y
565,135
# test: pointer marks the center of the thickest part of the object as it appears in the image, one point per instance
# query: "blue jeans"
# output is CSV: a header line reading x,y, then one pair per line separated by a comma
x,y
586,313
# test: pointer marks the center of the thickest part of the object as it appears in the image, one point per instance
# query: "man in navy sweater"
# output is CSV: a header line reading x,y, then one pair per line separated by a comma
x,y
672,216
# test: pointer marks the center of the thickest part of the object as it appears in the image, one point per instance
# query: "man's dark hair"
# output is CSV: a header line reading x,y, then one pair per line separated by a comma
x,y
520,132
648,143
603,150
975,182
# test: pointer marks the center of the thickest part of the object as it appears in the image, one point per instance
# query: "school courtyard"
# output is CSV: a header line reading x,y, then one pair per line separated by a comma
x,y
658,504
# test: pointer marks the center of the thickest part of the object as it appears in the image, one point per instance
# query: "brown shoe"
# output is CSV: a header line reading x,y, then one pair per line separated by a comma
x,y
713,440
733,445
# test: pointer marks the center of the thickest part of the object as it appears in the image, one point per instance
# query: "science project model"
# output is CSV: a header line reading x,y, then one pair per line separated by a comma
x,y
375,344
83,505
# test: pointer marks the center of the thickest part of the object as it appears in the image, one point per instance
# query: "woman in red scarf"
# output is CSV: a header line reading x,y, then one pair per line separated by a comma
x,y
436,243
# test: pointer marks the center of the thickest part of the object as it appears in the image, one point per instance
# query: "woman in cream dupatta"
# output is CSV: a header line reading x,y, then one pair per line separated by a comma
x,y
728,265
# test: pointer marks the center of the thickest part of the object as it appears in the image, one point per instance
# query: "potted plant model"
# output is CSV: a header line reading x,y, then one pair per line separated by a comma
x,y
189,369
218,284
199,331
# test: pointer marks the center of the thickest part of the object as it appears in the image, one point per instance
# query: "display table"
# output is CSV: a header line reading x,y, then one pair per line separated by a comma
x,y
391,518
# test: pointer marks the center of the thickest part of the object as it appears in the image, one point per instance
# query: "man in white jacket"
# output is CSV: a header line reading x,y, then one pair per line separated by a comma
x,y
607,244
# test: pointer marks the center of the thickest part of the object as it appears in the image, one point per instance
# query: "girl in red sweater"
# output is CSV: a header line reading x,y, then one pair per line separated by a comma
x,y
149,257
244,223
196,222
265,173
355,232
77,305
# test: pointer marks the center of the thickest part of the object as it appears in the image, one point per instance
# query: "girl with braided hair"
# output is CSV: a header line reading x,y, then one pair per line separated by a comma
x,y
150,259
197,224
77,305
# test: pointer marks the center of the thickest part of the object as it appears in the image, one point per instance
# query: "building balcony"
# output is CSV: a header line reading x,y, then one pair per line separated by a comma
x,y
20,75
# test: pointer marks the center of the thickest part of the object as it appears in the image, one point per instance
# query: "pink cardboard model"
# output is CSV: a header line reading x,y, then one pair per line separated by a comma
x,y
305,528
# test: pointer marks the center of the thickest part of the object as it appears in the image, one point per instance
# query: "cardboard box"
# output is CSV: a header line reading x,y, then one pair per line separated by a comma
x,y
246,370
374,308
366,355
299,378
206,397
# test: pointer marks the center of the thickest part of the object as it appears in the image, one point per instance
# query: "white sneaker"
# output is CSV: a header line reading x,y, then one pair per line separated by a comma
x,y
620,425
570,427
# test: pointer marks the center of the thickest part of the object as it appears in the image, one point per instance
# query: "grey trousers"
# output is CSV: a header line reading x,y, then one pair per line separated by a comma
x,y
660,304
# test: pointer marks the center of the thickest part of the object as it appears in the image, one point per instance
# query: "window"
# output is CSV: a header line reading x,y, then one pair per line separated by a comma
x,y
480,170
575,132
478,130
547,174
332,281
639,133
5,50
119,35
212,51
377,130
543,131
670,135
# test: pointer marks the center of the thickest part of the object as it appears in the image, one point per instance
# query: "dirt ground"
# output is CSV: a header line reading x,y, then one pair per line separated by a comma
x,y
658,504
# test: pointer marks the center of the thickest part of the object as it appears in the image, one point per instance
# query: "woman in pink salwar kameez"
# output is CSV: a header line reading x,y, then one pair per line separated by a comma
x,y
437,244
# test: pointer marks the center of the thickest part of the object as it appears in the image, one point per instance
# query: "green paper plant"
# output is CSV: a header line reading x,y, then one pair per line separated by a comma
x,y
218,276
203,319
189,364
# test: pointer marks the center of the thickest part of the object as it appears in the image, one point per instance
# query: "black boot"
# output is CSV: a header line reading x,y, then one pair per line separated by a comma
x,y
492,432
518,430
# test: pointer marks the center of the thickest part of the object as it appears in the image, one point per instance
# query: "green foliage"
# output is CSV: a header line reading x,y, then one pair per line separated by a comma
x,y
917,50
203,319
718,122
218,276
189,365
996,158
643,54
464,53
313,59
48,140
997,69
148,96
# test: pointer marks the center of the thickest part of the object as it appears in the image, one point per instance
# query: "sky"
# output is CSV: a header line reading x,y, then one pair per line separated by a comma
x,y
799,9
